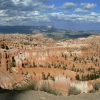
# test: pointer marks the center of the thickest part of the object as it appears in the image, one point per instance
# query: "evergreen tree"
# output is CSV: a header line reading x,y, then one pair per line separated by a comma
x,y
88,77
77,77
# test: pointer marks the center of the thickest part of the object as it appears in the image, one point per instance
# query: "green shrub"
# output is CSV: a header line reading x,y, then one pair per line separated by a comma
x,y
91,91
48,89
26,43
29,86
64,67
44,76
96,86
73,91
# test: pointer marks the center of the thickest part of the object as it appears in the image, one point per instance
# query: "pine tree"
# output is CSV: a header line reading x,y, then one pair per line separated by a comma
x,y
77,77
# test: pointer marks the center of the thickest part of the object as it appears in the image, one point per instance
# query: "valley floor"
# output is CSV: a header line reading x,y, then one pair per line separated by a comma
x,y
38,95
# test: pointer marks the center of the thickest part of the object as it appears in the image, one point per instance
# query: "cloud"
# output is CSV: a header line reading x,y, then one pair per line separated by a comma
x,y
79,10
92,17
25,5
3,13
14,17
43,1
25,12
68,5
33,12
88,6
95,14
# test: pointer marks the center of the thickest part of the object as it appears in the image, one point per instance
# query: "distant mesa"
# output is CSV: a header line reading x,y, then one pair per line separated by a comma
x,y
50,27
38,35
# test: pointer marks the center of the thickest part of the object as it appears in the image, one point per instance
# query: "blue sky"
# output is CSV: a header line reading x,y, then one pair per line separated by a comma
x,y
64,14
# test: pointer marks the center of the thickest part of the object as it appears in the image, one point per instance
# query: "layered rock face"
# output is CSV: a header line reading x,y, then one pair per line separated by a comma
x,y
57,63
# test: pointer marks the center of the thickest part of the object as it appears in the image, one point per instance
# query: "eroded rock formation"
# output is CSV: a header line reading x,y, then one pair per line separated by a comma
x,y
58,63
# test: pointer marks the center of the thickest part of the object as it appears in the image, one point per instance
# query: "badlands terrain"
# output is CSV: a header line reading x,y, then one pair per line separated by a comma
x,y
58,64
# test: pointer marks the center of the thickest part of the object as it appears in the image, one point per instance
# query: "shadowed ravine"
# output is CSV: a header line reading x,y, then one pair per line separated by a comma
x,y
9,94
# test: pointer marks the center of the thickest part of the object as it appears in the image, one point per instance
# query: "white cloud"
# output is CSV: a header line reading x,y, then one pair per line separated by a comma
x,y
68,5
88,6
43,18
79,10
33,13
22,17
92,17
25,5
23,12
3,13
23,2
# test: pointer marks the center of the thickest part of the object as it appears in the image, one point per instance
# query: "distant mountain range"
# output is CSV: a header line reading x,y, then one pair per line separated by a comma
x,y
26,29
49,31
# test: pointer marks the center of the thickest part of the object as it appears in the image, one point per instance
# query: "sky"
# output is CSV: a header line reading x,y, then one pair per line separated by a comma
x,y
63,14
